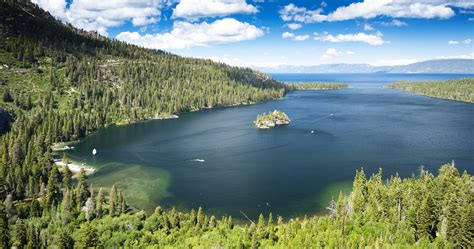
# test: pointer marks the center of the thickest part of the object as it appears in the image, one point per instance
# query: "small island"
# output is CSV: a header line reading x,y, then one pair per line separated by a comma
x,y
271,119
305,86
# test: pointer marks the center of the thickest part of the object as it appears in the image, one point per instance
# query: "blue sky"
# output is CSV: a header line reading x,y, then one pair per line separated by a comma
x,y
272,32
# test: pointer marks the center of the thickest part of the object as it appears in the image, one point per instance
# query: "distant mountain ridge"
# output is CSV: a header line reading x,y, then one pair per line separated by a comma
x,y
461,66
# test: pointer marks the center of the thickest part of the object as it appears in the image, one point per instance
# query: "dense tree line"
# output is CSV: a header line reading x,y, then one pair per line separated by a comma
x,y
424,211
316,86
460,90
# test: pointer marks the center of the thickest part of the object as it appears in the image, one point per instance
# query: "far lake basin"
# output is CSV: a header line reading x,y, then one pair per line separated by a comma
x,y
217,159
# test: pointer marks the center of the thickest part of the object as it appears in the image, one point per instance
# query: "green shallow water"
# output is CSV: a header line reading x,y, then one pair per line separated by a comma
x,y
218,160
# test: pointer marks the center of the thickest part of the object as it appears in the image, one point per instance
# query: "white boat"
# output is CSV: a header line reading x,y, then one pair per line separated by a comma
x,y
94,151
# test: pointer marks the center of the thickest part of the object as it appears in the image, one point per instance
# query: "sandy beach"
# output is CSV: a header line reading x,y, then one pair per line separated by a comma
x,y
75,167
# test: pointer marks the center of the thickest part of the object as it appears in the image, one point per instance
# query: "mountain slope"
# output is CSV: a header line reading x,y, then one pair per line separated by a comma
x,y
98,78
460,66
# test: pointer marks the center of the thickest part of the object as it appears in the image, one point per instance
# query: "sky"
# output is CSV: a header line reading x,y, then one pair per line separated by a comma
x,y
267,33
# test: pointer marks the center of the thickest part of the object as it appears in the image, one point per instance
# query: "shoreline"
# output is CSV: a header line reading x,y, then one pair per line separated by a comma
x,y
75,167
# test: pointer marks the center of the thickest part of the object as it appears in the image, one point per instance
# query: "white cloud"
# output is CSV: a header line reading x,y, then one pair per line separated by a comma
x,y
454,42
301,37
143,21
368,9
394,23
294,37
101,15
194,9
332,52
372,39
294,26
287,35
56,7
367,27
186,35
292,12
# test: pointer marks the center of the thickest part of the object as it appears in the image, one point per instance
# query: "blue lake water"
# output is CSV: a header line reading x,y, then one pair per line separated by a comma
x,y
218,160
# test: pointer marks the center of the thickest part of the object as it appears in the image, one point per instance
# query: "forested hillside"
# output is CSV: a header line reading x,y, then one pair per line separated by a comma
x,y
460,90
60,84
316,86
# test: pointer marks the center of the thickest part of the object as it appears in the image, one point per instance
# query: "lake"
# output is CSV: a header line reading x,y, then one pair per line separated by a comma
x,y
217,159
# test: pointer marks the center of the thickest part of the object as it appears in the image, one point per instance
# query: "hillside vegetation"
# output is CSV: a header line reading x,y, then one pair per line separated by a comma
x,y
459,90
422,212
60,84
316,86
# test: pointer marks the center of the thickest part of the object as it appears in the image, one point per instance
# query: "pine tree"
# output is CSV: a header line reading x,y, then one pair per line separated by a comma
x,y
64,240
88,236
212,222
271,229
35,208
4,228
52,189
359,192
67,177
192,217
122,203
113,201
453,230
82,189
340,204
261,227
66,204
467,227
19,234
32,241
99,202
425,218
200,218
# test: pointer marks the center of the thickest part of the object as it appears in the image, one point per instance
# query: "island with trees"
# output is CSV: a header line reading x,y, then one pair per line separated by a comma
x,y
64,83
459,89
306,86
271,119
